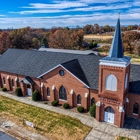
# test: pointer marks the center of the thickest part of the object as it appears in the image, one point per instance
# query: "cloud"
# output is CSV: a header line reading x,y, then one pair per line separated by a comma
x,y
60,5
2,15
41,8
69,20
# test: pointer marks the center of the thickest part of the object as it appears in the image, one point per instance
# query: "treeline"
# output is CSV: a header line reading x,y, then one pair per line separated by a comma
x,y
97,29
131,43
65,38
31,38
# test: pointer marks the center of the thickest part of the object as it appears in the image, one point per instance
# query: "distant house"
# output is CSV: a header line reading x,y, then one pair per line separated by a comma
x,y
78,78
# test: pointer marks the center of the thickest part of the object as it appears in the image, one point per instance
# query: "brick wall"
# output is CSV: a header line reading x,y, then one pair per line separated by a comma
x,y
8,79
69,82
133,98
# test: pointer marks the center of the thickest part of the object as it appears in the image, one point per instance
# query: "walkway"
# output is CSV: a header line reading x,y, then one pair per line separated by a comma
x,y
20,133
100,131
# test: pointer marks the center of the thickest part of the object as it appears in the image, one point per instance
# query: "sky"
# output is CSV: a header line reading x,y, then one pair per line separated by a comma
x,y
67,13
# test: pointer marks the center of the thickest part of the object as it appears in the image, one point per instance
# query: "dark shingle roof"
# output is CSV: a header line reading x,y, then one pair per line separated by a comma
x,y
34,63
134,84
85,67
75,68
27,80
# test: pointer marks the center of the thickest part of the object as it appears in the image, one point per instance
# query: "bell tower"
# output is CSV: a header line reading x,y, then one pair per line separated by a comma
x,y
114,71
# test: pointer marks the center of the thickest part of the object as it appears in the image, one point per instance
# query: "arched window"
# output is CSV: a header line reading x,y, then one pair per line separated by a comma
x,y
111,82
62,93
79,99
92,101
48,92
110,110
126,81
13,84
136,108
4,81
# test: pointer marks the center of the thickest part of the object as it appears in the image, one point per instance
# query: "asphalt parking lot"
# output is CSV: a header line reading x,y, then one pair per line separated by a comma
x,y
4,136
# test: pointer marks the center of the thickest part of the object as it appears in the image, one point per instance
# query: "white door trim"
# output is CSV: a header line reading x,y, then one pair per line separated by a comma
x,y
29,91
109,117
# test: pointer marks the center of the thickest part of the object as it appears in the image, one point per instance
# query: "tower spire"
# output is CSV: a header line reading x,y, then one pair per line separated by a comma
x,y
116,50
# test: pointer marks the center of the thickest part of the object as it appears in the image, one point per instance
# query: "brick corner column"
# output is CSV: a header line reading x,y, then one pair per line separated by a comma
x,y
98,108
86,101
23,89
121,117
42,91
71,98
52,97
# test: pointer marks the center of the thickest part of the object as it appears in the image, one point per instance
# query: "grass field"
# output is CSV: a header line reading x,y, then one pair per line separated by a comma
x,y
50,124
100,37
134,58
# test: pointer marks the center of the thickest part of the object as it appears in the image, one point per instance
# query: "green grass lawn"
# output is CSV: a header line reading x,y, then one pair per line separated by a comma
x,y
122,138
53,125
134,58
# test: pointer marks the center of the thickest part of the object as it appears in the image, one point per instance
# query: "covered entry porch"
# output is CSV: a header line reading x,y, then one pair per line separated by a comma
x,y
27,86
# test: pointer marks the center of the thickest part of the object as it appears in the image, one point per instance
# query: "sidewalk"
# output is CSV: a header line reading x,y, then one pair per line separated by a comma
x,y
20,133
100,131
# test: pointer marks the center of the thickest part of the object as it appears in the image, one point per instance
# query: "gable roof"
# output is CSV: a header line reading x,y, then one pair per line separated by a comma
x,y
85,67
34,63
27,80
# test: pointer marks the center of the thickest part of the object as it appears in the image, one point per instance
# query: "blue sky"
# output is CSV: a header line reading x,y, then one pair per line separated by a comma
x,y
48,13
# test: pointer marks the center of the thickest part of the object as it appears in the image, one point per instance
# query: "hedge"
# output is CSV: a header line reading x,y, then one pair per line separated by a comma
x,y
66,105
54,103
18,91
35,96
4,89
80,109
92,110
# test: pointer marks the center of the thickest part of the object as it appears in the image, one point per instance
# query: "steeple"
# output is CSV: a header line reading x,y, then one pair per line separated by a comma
x,y
116,50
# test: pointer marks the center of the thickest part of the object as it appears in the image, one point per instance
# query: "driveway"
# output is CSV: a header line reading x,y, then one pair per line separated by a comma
x,y
4,136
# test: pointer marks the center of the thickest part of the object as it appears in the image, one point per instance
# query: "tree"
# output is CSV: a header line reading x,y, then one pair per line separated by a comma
x,y
92,110
128,40
87,29
44,42
35,43
5,42
107,28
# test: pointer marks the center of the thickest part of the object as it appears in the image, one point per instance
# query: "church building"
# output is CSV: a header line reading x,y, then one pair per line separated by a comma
x,y
111,82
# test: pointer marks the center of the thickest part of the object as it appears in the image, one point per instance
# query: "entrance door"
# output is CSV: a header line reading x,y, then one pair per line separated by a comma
x,y
29,92
109,115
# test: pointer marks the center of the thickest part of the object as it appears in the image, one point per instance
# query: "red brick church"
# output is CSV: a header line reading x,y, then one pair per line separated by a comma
x,y
112,82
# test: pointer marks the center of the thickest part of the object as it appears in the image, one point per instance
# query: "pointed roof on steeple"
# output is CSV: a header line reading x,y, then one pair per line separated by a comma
x,y
116,49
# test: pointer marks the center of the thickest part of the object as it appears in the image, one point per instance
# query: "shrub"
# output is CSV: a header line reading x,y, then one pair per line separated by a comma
x,y
4,89
45,102
35,96
80,109
66,105
18,91
92,110
54,103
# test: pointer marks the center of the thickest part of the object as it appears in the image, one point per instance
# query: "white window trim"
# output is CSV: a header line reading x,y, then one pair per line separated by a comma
x,y
108,86
135,114
63,100
126,81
